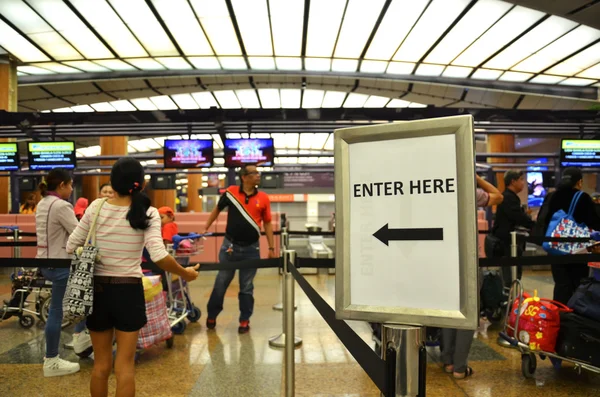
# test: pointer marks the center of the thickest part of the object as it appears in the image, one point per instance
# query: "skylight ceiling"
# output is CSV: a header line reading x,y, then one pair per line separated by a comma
x,y
487,39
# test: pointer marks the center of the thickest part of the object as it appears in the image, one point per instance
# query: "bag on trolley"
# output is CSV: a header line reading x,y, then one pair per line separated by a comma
x,y
586,299
579,338
539,322
158,328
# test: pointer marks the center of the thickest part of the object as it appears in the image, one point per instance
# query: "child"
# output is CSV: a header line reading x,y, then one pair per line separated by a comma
x,y
169,227
80,207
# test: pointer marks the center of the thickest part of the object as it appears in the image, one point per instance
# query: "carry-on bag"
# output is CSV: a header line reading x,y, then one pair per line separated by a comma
x,y
563,225
579,338
586,299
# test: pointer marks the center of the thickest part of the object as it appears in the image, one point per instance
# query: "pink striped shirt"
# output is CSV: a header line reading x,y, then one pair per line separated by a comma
x,y
120,246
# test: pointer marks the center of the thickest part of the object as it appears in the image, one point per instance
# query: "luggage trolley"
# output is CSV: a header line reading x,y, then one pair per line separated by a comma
x,y
528,356
179,301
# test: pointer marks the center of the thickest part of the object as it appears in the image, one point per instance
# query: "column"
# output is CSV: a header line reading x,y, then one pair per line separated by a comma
x,y
162,198
8,102
90,187
194,183
111,146
500,144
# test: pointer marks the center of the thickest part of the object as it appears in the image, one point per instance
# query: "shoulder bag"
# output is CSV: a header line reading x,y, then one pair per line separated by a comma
x,y
564,225
79,295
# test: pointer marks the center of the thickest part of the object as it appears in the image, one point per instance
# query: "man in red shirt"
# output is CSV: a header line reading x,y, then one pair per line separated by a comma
x,y
247,209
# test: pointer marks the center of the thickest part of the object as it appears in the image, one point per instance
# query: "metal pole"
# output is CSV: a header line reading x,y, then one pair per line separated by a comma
x,y
290,334
283,244
280,340
16,250
513,254
407,340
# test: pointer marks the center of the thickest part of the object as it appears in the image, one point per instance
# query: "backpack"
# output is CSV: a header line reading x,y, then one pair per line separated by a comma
x,y
492,295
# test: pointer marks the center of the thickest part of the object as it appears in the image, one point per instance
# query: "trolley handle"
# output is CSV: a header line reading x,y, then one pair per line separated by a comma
x,y
512,341
11,228
177,239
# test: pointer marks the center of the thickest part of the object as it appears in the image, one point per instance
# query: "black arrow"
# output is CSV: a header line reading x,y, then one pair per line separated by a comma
x,y
386,234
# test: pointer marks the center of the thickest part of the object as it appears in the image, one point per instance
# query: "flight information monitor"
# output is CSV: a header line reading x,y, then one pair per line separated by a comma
x,y
9,157
580,153
249,151
188,153
49,155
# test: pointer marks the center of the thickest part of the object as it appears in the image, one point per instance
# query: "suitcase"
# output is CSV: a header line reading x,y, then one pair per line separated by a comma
x,y
579,338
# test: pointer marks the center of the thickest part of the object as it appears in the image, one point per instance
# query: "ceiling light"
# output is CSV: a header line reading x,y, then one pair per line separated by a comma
x,y
262,63
288,63
205,100
396,24
541,35
174,63
344,65
504,31
248,99
312,99
578,62
416,105
108,24
215,19
359,20
577,82
183,25
227,99
163,102
142,22
486,74
205,63
457,72
34,70
546,79
434,21
17,45
290,98
400,68
373,66
63,110
593,72
253,22
355,100
115,64
233,63
87,66
145,63
398,103
103,107
269,98
317,64
56,67
143,104
429,70
82,109
122,106
515,76
375,101
185,101
333,99
324,22
287,23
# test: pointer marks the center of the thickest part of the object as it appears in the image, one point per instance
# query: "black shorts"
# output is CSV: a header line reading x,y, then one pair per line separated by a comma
x,y
119,306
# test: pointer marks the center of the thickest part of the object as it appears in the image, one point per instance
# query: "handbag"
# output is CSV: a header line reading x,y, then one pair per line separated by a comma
x,y
563,225
539,322
79,294
586,299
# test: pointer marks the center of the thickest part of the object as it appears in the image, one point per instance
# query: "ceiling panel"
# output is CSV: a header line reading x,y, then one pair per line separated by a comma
x,y
529,102
130,94
42,104
508,100
124,84
31,92
90,98
71,89
467,105
181,90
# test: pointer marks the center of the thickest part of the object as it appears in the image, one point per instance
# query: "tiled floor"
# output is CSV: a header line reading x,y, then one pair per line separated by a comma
x,y
223,363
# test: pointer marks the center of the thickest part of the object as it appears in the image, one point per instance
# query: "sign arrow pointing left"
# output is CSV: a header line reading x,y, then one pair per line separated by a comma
x,y
385,234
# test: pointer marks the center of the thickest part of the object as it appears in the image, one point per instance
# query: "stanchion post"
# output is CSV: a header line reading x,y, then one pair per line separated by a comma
x,y
407,341
513,254
16,249
289,330
284,242
280,340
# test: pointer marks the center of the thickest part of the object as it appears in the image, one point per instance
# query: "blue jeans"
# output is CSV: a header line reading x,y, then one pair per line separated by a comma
x,y
59,279
234,253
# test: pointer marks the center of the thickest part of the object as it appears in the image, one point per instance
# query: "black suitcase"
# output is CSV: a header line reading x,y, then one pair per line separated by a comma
x,y
579,338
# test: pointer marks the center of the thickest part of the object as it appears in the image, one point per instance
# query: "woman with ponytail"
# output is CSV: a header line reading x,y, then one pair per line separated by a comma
x,y
126,224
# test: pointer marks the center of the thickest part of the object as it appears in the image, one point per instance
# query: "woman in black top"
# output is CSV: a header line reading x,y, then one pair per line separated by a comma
x,y
568,277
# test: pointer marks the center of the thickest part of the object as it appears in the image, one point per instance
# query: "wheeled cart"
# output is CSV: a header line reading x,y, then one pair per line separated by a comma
x,y
528,356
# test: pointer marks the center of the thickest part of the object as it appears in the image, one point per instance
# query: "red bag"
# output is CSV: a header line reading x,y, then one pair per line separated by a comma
x,y
539,322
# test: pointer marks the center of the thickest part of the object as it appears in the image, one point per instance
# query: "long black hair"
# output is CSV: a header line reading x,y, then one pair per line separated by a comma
x,y
127,179
570,177
53,180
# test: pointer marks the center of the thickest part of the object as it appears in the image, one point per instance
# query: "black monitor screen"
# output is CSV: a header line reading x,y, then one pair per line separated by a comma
x,y
249,151
188,153
580,153
9,157
49,155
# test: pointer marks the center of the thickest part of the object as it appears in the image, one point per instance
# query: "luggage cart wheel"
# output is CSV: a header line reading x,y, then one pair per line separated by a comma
x,y
528,365
194,314
26,321
170,342
178,328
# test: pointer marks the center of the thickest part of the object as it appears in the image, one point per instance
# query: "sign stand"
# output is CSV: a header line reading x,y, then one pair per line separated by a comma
x,y
406,247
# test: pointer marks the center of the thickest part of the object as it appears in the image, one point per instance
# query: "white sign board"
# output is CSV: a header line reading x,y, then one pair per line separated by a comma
x,y
406,202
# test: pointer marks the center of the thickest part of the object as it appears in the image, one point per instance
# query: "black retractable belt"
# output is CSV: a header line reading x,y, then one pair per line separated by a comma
x,y
390,371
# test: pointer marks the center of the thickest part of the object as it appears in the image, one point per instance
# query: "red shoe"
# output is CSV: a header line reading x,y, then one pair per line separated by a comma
x,y
211,323
244,327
